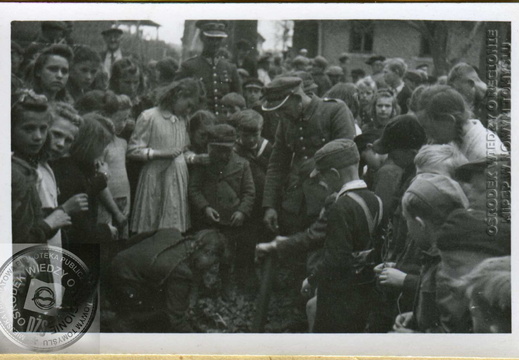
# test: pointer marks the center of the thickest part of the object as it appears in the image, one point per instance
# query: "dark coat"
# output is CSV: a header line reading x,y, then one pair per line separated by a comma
x,y
226,191
402,98
322,81
73,178
27,216
219,78
324,120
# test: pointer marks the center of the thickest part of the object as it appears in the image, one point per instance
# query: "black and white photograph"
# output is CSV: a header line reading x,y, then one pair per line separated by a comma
x,y
290,179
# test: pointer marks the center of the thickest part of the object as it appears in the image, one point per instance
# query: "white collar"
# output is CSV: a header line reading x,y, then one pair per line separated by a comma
x,y
352,185
399,87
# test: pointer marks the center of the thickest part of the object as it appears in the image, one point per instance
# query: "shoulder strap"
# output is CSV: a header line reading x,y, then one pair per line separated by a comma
x,y
372,222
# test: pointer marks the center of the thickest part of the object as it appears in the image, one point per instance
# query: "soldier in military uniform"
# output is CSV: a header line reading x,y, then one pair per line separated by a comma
x,y
306,124
219,76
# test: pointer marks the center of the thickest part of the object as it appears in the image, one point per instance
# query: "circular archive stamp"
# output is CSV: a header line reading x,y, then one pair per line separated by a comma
x,y
48,298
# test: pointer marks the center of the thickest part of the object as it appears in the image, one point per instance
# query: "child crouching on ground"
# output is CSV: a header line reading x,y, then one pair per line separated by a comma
x,y
160,274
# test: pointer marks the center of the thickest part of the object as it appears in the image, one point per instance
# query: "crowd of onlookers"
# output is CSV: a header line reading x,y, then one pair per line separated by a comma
x,y
392,186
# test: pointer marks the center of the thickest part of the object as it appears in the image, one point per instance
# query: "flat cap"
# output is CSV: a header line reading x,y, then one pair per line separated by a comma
x,y
334,70
415,76
439,192
402,132
344,56
321,61
374,58
301,60
277,92
112,31
253,83
213,28
336,154
222,134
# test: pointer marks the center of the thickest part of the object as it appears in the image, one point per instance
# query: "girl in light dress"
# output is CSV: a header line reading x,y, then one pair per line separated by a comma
x,y
158,140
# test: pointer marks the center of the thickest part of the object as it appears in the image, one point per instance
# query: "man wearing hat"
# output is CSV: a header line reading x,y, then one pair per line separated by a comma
x,y
345,277
335,74
112,38
320,64
52,32
219,76
377,70
306,123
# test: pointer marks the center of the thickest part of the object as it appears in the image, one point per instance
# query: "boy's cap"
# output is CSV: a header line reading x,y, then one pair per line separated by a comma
x,y
372,59
222,134
336,154
277,92
253,83
465,172
212,28
402,132
468,231
111,31
440,192
334,71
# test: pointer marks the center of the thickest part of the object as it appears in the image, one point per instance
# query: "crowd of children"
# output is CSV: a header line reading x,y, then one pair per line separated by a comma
x,y
418,243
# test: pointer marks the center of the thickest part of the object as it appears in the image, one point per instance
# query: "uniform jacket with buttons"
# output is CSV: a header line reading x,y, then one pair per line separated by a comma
x,y
324,120
227,191
219,77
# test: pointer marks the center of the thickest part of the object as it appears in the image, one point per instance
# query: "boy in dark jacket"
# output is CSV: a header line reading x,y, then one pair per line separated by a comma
x,y
255,149
223,192
344,278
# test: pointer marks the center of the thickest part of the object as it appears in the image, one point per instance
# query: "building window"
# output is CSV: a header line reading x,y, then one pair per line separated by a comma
x,y
361,36
425,47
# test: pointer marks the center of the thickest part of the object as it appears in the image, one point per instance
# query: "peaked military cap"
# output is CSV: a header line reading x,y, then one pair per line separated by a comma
x,y
212,28
277,92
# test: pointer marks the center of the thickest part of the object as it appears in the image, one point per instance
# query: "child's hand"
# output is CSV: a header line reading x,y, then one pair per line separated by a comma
x,y
212,214
402,322
103,168
392,277
175,152
58,219
120,220
237,218
75,204
202,159
307,290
